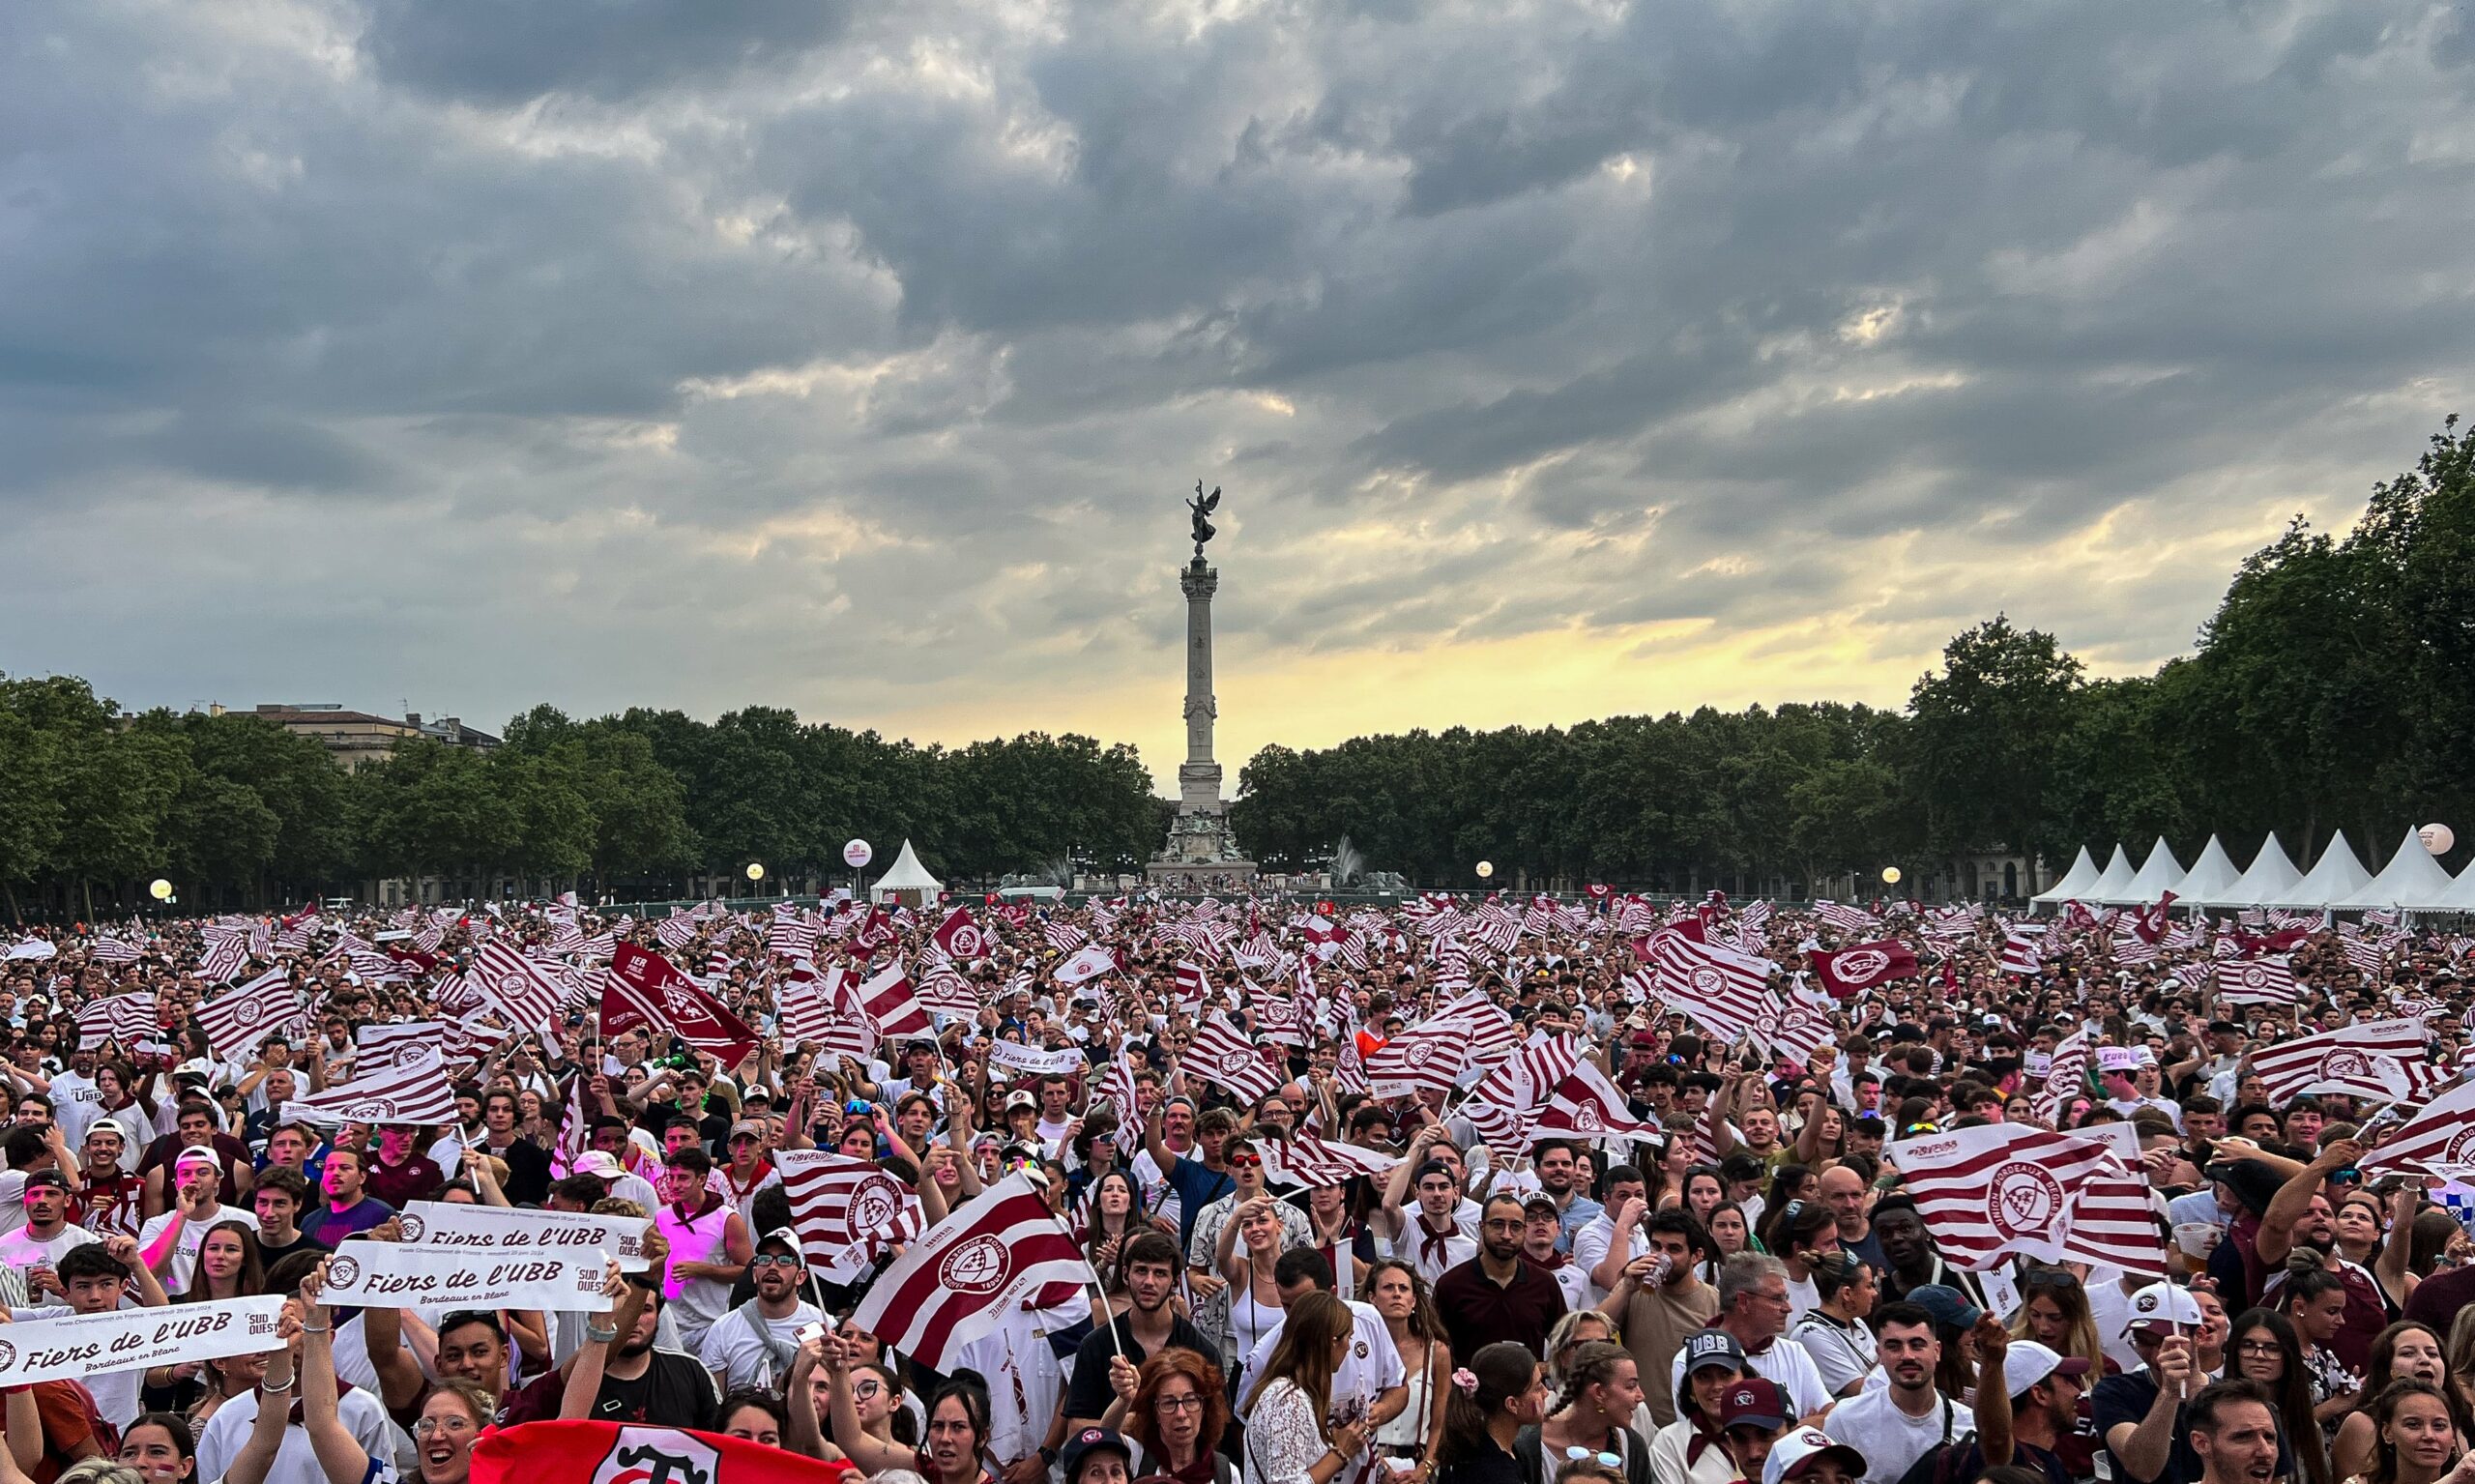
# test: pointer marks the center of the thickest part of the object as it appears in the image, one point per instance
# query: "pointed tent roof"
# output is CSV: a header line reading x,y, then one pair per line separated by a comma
x,y
2412,879
2075,882
2336,877
2269,878
2210,879
2461,895
907,874
2110,883
2157,876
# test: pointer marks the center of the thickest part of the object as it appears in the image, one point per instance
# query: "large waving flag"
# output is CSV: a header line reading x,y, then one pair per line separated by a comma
x,y
847,1211
237,1020
2006,1190
1722,989
1852,969
1585,1105
953,1282
2382,1059
646,990
412,1089
1221,1055
613,1452
2440,1138
526,992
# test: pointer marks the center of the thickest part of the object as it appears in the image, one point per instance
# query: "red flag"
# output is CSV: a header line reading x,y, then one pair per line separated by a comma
x,y
644,989
891,1005
1597,892
617,1453
1852,970
984,1259
2151,923
961,937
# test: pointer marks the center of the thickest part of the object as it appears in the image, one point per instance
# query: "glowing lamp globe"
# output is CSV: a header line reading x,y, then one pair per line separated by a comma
x,y
1890,876
2438,838
756,870
162,890
1486,868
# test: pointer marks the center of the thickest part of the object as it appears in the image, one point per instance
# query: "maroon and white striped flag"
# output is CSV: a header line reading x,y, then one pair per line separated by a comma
x,y
1585,1105
1063,937
2263,980
2020,949
822,1010
124,1018
955,1282
526,992
2382,1059
891,1008
1117,1091
1724,990
1304,1160
960,936
646,990
412,1091
1800,1026
2005,1190
238,1019
847,1211
1194,985
1088,963
1220,1054
1846,918
1524,1081
2440,1138
2066,1077
1862,966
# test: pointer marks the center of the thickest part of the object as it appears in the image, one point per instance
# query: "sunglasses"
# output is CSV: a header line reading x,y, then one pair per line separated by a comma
x,y
1246,1162
2050,1277
774,1259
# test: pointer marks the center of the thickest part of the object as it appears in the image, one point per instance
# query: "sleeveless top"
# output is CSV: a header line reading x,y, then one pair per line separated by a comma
x,y
695,1240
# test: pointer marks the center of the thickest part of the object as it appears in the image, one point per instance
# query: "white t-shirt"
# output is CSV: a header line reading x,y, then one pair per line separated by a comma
x,y
183,1260
1372,1368
13,1200
295,1461
1589,1249
1842,1353
75,1105
1803,1298
19,1250
1892,1441
1788,1367
736,1346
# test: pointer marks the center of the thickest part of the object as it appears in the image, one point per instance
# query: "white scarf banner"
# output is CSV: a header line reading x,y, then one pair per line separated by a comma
x,y
371,1274
128,1339
1016,1056
488,1230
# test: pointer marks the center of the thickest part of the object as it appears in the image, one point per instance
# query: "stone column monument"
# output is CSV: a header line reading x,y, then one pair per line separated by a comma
x,y
1201,851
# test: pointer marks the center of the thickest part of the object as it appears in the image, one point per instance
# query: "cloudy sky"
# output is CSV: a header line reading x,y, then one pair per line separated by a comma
x,y
1559,359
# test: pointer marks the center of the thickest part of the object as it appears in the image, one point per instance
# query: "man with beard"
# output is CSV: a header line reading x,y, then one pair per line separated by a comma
x,y
754,1343
1149,1264
1670,1303
618,1376
35,1248
347,1210
168,1243
1498,1294
2234,1434
1911,1261
1895,1425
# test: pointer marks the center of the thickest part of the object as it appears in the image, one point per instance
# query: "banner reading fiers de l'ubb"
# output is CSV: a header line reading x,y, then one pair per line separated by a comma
x,y
486,1230
366,1274
126,1339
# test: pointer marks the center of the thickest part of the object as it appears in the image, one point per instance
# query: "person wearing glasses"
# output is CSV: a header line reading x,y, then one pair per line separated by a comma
x,y
753,1345
1176,1418
1754,1307
1214,1245
750,1168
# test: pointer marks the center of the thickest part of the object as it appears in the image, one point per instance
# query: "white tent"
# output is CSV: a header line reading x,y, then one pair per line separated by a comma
x,y
2110,883
2270,876
2412,879
906,883
2156,877
2210,879
2074,883
2461,895
2336,877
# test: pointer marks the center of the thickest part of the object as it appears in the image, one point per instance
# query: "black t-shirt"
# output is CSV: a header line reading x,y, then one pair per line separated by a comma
x,y
675,1392
712,1125
1966,1461
1089,1393
1490,1465
270,1253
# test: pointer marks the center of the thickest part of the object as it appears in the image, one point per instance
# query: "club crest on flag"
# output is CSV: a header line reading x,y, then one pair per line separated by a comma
x,y
658,1455
2025,1200
875,1203
1864,963
976,1266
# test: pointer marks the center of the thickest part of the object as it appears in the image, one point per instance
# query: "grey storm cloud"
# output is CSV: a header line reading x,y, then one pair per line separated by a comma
x,y
853,357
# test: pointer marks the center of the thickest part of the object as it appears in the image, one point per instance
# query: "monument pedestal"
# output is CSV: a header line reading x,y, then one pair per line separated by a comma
x,y
1201,851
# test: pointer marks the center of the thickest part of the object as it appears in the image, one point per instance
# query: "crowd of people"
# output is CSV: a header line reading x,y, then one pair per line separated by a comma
x,y
1741,1288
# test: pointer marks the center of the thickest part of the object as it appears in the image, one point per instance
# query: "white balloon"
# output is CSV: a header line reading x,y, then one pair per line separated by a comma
x,y
856,853
1486,868
1890,875
159,890
755,871
2438,838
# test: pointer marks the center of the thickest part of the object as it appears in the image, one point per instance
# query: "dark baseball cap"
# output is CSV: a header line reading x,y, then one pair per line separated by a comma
x,y
1752,1402
1091,1441
1706,1348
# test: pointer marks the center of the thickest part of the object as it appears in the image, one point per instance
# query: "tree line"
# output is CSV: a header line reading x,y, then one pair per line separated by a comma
x,y
2333,688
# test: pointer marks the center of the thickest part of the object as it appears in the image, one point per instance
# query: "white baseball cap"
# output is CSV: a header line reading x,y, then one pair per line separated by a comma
x,y
2027,1363
2163,1303
1799,1448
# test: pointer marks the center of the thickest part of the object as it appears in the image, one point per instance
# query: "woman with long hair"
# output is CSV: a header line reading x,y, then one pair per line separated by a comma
x,y
754,1414
2054,1312
1408,1442
1593,1412
1835,1333
228,1266
1336,1224
2405,1351
2415,1442
452,1418
1113,1217
958,1425
1577,1329
1254,1294
1801,1234
2265,1350
1704,1190
1499,1393
1289,1437
1789,1183
1729,1235
1176,1418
